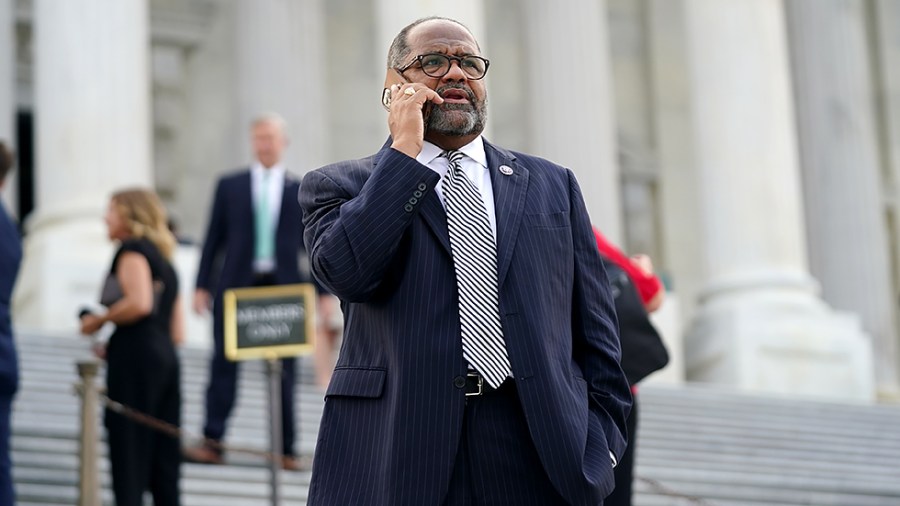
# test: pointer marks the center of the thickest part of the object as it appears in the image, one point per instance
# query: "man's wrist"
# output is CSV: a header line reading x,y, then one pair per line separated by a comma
x,y
409,149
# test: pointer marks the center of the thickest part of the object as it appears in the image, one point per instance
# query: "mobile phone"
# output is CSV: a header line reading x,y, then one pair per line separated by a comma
x,y
393,77
91,308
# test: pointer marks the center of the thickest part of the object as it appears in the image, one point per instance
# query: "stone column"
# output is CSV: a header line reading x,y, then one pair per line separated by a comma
x,y
210,140
569,104
846,216
7,90
93,137
281,68
760,325
673,135
886,23
887,42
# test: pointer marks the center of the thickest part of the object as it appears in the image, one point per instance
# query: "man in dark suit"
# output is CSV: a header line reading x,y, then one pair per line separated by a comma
x,y
10,257
480,362
255,234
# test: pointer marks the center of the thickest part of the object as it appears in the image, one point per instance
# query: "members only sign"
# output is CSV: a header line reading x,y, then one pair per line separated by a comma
x,y
269,322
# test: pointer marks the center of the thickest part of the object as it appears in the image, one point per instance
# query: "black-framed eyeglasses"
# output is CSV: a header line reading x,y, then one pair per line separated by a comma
x,y
437,65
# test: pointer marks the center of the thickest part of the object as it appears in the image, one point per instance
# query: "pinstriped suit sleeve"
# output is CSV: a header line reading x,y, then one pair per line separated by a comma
x,y
352,236
594,330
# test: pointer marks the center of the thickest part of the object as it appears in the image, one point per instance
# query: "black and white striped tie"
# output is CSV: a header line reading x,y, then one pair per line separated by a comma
x,y
475,262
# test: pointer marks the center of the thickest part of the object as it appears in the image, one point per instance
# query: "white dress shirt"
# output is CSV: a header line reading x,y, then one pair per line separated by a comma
x,y
474,165
275,189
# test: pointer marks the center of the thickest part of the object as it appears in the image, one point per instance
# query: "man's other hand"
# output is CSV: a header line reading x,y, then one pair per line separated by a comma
x,y
202,301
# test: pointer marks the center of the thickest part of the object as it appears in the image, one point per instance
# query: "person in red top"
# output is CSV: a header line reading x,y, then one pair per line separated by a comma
x,y
648,286
639,270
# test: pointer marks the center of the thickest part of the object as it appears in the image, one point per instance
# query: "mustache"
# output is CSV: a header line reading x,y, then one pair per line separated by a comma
x,y
457,86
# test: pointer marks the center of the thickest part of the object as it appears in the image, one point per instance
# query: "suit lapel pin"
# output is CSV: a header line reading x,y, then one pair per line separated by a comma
x,y
506,170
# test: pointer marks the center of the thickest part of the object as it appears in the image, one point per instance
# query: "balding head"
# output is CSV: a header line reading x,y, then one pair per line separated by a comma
x,y
399,52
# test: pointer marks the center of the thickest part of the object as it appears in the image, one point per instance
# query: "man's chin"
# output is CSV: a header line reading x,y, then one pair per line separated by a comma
x,y
452,122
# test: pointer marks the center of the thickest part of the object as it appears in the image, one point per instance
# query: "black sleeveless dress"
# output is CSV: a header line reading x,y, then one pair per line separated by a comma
x,y
143,372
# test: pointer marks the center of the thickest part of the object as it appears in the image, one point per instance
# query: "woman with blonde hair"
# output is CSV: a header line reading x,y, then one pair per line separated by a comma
x,y
141,296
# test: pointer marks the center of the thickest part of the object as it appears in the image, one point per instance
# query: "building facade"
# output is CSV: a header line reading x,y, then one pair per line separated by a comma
x,y
751,147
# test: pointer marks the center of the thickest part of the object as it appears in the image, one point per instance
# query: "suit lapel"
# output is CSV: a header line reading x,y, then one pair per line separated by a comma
x,y
283,211
509,201
245,203
434,215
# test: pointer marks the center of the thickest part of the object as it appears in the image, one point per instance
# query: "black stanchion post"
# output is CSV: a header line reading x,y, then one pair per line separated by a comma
x,y
273,369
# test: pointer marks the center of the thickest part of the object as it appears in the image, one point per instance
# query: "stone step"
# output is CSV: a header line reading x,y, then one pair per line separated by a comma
x,y
731,493
726,448
789,464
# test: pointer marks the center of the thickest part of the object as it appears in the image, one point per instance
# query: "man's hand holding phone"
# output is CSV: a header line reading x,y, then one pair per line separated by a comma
x,y
409,105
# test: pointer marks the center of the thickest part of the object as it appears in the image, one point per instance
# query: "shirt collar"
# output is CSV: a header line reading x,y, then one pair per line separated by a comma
x,y
474,150
277,170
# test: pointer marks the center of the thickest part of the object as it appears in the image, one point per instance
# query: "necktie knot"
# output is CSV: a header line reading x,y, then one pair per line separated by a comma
x,y
453,156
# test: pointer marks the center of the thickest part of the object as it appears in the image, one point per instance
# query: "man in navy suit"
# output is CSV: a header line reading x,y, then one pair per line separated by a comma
x,y
255,234
10,257
427,405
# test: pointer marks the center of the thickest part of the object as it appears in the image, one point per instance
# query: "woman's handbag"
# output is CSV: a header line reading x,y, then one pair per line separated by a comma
x,y
643,351
112,292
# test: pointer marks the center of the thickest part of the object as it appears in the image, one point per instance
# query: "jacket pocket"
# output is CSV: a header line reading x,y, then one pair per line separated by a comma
x,y
356,382
551,220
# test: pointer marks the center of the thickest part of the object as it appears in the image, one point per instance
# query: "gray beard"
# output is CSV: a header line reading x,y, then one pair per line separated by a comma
x,y
456,120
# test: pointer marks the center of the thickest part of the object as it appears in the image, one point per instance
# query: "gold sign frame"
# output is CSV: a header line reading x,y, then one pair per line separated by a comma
x,y
304,291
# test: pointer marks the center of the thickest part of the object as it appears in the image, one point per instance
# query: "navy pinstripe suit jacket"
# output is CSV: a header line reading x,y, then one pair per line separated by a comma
x,y
377,237
10,258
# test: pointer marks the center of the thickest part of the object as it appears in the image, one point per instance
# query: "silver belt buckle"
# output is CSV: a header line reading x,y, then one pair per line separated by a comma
x,y
480,384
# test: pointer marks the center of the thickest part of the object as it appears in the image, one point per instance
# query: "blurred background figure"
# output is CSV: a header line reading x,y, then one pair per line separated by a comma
x,y
255,225
141,296
10,256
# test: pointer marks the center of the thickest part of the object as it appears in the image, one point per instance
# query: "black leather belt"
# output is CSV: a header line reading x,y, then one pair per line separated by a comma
x,y
264,278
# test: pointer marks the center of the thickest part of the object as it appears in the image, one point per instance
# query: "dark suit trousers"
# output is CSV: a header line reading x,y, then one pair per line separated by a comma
x,y
222,389
497,463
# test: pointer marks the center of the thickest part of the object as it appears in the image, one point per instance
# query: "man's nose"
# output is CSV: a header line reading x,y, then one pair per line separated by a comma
x,y
455,73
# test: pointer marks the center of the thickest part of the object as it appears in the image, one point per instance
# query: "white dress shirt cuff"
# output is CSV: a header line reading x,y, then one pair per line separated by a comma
x,y
613,457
